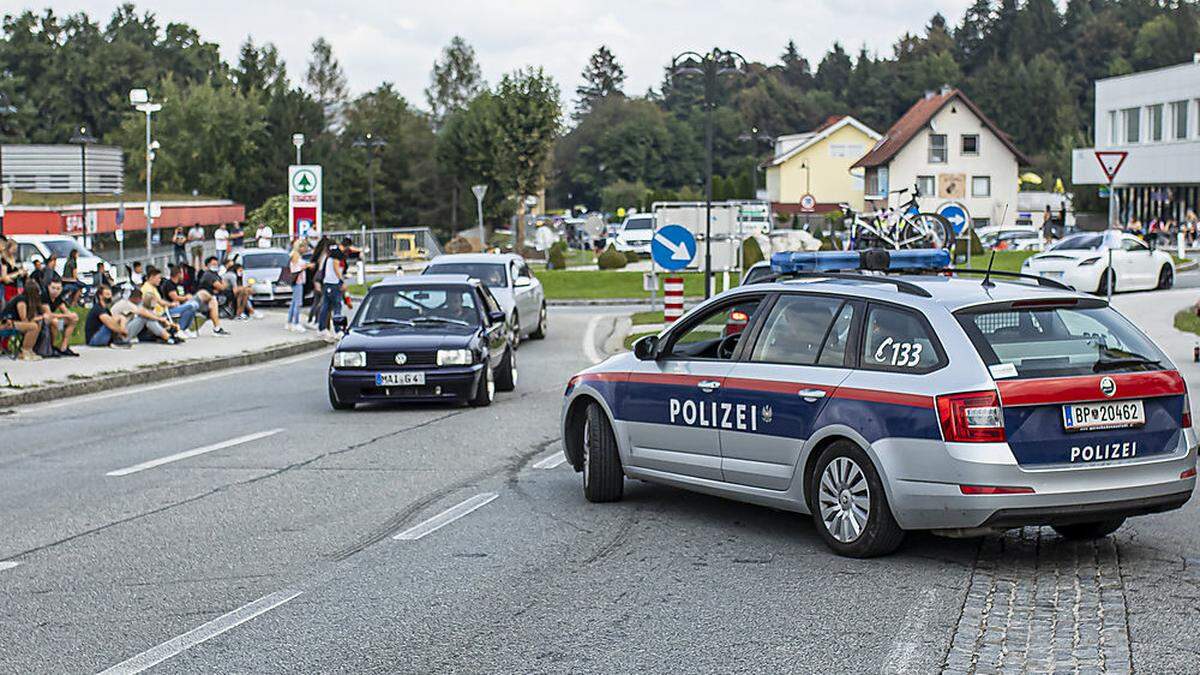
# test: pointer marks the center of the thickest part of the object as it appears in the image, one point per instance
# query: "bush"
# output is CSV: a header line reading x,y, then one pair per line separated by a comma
x,y
611,259
751,253
558,258
630,256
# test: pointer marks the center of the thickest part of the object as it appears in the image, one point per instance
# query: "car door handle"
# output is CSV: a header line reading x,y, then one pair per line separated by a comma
x,y
708,385
811,394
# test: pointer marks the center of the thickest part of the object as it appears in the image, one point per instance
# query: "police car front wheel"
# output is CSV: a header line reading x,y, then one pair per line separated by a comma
x,y
603,477
849,506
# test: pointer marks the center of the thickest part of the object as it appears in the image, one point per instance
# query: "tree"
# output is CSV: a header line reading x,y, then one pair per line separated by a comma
x,y
528,118
327,83
833,73
454,80
794,68
602,78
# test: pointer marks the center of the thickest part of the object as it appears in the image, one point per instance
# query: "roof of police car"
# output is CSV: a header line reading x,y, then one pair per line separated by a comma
x,y
949,292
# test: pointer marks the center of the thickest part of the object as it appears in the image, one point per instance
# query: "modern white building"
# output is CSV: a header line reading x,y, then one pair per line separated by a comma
x,y
956,156
1154,116
59,168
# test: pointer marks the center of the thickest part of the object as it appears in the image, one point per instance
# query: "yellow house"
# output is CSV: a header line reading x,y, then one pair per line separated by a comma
x,y
810,172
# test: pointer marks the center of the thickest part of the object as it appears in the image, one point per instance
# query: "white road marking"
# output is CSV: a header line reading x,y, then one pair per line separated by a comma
x,y
8,564
193,452
175,646
552,461
589,339
903,655
446,517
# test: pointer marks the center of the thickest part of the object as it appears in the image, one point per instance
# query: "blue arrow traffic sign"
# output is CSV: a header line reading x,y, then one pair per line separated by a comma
x,y
956,214
673,247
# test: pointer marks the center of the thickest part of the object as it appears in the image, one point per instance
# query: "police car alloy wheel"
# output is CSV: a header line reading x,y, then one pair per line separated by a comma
x,y
603,478
849,505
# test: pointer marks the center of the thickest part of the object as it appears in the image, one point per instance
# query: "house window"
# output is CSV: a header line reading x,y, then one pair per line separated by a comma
x,y
926,186
1156,122
977,223
1131,120
970,144
877,181
981,186
937,148
1179,120
1114,131
845,150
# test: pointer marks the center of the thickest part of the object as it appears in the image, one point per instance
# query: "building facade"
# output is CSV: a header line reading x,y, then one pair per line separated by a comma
x,y
1154,116
818,163
59,168
954,154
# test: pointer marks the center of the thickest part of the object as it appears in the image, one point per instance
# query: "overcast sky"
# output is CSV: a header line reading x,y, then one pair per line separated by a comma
x,y
378,41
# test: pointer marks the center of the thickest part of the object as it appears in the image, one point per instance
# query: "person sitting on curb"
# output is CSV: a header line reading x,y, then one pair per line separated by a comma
x,y
102,328
138,318
153,301
24,313
212,284
243,294
136,276
60,318
171,290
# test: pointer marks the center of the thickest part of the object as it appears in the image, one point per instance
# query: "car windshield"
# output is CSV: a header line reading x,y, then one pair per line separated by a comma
x,y
640,224
1060,341
418,307
1080,242
258,261
63,247
491,274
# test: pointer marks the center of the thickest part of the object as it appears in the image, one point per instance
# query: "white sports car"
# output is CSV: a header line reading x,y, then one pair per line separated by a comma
x,y
1083,261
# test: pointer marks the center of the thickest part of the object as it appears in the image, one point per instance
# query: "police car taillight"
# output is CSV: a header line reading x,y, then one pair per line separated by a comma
x,y
973,417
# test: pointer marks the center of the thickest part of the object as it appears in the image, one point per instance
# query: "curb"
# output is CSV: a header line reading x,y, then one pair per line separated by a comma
x,y
1187,266
159,373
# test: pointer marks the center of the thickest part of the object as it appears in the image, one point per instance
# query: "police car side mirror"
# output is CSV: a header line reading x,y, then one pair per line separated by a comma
x,y
646,349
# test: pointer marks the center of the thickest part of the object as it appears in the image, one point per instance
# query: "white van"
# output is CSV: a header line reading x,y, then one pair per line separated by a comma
x,y
635,234
32,247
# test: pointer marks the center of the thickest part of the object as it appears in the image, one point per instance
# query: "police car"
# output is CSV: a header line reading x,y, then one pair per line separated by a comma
x,y
901,396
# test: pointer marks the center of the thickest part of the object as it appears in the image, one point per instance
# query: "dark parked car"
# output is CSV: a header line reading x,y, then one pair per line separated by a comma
x,y
440,337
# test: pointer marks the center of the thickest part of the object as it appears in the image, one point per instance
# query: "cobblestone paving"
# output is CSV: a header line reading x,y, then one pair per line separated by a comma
x,y
1038,603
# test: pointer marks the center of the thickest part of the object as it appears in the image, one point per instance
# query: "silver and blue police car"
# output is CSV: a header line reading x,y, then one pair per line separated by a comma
x,y
902,397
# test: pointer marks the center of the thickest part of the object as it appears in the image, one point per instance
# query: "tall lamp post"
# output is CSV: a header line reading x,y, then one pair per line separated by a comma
x,y
711,65
140,99
374,145
6,108
753,137
298,141
83,139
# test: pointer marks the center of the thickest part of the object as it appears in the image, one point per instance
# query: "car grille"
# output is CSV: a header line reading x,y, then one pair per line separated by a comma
x,y
388,359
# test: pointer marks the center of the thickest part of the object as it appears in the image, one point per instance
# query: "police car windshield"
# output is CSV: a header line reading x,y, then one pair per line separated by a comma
x,y
1059,341
418,307
491,274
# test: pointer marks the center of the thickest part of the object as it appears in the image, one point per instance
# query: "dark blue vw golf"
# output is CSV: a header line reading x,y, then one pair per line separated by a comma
x,y
423,339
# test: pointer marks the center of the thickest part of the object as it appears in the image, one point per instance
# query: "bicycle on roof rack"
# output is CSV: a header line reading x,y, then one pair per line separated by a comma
x,y
905,227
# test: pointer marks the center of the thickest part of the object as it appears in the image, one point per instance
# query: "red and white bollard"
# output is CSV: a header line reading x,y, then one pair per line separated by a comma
x,y
672,299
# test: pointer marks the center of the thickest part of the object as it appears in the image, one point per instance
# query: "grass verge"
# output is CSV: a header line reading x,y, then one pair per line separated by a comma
x,y
1187,321
602,284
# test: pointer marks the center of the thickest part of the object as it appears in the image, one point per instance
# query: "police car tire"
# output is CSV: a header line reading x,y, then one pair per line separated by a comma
x,y
882,534
604,480
482,397
1093,530
540,333
335,403
506,379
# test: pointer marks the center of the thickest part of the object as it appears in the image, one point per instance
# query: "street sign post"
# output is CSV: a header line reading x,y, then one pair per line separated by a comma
x,y
479,191
673,247
1110,163
304,200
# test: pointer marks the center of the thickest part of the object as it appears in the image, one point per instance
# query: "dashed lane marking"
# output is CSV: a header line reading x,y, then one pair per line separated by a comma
x,y
551,461
193,452
446,517
8,564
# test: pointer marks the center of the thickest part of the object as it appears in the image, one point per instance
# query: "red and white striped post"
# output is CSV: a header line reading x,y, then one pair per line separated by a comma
x,y
672,299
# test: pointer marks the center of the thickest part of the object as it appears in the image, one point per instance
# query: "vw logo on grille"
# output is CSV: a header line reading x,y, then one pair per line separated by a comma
x,y
1108,386
401,359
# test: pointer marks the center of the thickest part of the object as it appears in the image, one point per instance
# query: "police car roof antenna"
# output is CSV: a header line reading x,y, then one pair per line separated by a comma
x,y
987,278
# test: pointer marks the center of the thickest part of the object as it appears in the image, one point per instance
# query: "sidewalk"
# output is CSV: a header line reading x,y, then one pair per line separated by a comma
x,y
251,341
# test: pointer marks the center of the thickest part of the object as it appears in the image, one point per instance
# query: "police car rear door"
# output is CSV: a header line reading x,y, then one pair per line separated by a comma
x,y
670,406
773,395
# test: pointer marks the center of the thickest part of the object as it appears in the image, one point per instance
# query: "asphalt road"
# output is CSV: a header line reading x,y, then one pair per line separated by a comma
x,y
273,548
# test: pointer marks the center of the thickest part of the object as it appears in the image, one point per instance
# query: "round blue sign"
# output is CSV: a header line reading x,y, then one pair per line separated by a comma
x,y
673,247
956,214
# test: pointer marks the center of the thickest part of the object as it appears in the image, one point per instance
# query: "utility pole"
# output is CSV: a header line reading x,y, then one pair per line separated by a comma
x,y
374,145
83,139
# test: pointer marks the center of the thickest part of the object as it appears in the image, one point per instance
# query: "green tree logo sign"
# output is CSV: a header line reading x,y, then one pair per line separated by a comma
x,y
304,182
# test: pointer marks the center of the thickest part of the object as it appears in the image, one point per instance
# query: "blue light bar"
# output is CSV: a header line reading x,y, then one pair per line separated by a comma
x,y
786,262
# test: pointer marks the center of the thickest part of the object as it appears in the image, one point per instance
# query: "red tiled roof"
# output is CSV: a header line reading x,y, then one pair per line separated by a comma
x,y
917,118
829,121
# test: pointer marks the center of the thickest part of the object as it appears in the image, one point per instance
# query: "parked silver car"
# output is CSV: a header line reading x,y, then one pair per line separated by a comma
x,y
261,269
512,282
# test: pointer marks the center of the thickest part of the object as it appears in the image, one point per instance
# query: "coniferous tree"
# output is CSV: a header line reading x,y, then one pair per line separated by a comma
x,y
603,77
454,80
327,83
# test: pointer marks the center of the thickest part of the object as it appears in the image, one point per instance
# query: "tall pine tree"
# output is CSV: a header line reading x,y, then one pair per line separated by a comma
x,y
603,77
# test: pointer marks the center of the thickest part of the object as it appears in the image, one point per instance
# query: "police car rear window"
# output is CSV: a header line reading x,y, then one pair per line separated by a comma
x,y
1043,341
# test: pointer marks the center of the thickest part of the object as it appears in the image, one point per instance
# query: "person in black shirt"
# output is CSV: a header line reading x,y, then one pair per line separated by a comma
x,y
211,285
101,328
24,313
62,319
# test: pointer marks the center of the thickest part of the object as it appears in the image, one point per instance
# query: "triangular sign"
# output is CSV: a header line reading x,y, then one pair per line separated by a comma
x,y
1110,162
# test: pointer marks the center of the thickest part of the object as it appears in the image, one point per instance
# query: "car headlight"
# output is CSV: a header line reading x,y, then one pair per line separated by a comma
x,y
349,359
1089,261
454,357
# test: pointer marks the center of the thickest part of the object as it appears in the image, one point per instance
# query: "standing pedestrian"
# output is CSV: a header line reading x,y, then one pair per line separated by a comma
x,y
221,241
331,292
263,235
298,267
195,238
72,286
12,273
179,243
237,237
318,262
1191,224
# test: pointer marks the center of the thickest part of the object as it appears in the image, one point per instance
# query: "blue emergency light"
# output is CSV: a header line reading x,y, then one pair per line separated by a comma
x,y
878,260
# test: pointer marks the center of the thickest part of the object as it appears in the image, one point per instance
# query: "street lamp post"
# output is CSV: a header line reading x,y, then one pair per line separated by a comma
x,y
140,99
710,65
83,139
6,108
298,141
374,145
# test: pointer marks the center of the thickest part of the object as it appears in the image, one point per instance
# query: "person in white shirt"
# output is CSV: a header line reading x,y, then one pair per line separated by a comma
x,y
221,238
264,236
195,238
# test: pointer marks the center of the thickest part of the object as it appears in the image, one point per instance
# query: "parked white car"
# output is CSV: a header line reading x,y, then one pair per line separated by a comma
x,y
635,234
32,247
510,280
1082,261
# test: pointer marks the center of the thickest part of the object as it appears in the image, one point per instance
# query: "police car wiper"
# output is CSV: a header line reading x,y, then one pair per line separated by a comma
x,y
439,319
1132,360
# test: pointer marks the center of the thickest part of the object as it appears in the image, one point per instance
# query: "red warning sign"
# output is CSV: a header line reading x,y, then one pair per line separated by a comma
x,y
1110,162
